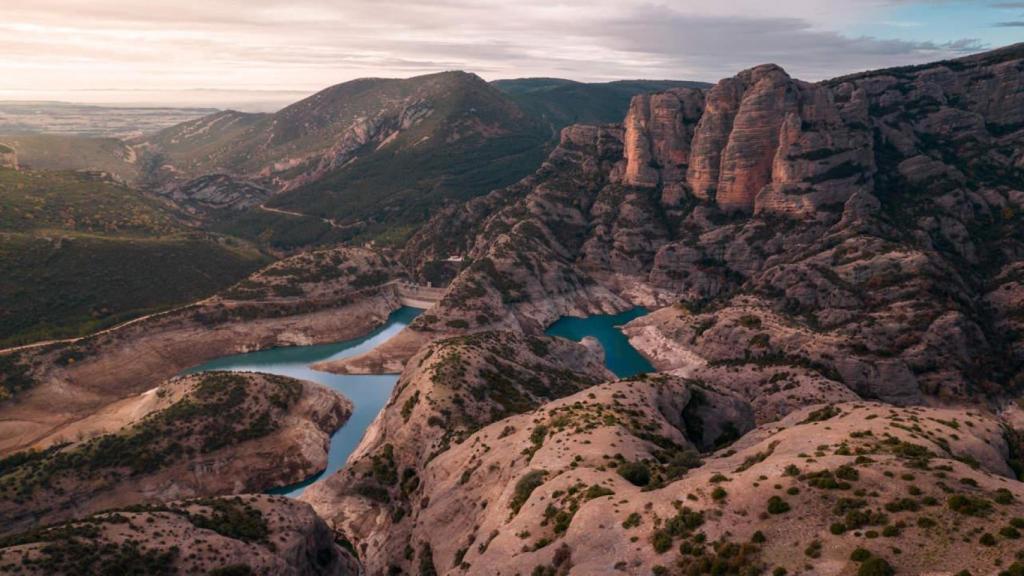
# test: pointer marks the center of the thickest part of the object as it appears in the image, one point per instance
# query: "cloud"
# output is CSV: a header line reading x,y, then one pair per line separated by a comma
x,y
55,47
1010,24
719,45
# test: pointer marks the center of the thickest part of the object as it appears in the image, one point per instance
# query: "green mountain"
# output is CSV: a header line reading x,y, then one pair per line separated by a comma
x,y
563,102
79,252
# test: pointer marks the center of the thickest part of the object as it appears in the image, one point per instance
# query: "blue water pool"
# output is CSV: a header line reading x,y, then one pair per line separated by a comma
x,y
619,356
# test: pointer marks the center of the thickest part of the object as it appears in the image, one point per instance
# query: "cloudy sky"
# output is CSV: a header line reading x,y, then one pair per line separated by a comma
x,y
257,54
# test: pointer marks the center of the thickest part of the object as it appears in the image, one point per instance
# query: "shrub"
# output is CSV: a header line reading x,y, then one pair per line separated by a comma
x,y
661,540
524,487
637,473
822,414
777,505
875,566
813,549
902,504
1015,569
1003,496
969,505
1009,532
632,521
847,472
860,555
987,539
718,494
595,491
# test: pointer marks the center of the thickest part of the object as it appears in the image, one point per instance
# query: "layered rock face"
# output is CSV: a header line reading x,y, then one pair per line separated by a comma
x,y
760,133
204,435
218,192
236,535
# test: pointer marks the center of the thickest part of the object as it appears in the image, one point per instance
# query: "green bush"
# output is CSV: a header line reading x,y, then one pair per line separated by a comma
x,y
1009,532
525,487
969,505
777,505
875,566
860,555
637,473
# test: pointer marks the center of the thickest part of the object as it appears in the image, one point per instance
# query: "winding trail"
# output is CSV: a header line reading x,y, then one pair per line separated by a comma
x,y
100,332
327,221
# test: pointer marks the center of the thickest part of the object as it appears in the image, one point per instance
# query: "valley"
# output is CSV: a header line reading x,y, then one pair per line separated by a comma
x,y
765,326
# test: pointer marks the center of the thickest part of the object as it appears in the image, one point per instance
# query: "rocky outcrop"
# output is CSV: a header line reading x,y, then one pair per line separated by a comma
x,y
218,192
236,535
210,434
8,157
659,131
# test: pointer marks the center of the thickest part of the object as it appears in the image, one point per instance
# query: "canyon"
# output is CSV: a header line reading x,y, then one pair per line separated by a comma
x,y
833,274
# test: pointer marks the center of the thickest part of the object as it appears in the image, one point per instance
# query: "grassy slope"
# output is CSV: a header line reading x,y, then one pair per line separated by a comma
x,y
68,152
78,253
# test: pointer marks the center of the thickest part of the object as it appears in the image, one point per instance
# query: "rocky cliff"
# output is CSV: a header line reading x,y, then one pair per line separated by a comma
x,y
871,224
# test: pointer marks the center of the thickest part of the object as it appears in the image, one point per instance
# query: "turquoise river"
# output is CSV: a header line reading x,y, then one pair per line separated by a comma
x,y
369,393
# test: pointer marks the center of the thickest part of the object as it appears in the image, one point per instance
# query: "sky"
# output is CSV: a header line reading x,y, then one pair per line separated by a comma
x,y
262,54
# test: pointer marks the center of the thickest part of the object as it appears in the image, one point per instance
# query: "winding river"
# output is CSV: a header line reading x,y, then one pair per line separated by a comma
x,y
367,393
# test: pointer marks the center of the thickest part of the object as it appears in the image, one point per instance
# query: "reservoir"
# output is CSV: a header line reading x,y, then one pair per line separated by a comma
x,y
619,356
367,393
